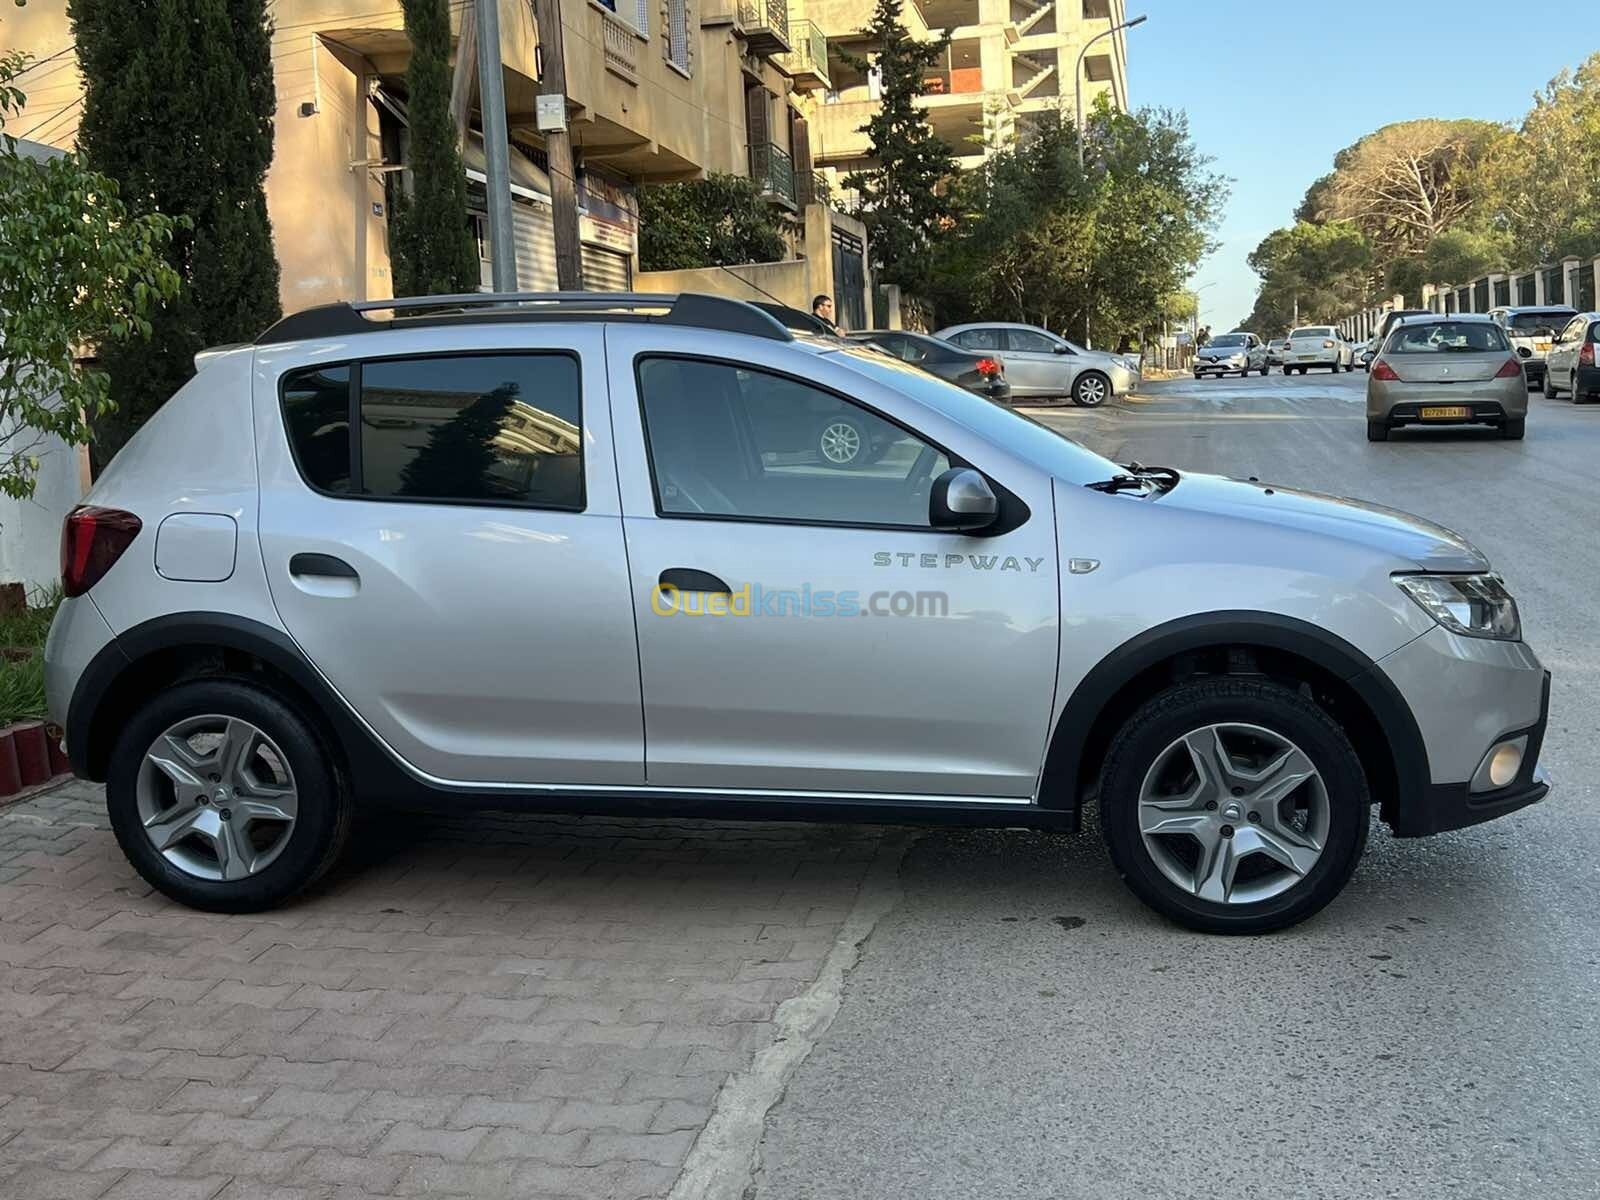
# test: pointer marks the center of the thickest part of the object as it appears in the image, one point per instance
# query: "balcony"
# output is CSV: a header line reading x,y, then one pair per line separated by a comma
x,y
773,172
764,24
620,42
813,188
807,63
957,82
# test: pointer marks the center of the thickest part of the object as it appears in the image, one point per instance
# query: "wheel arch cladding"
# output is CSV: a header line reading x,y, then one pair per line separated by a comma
x,y
159,652
1342,679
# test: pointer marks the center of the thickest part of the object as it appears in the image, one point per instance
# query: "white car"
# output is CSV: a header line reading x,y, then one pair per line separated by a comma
x,y
1317,346
1532,331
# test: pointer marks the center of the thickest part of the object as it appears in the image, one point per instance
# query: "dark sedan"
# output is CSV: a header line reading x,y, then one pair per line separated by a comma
x,y
980,373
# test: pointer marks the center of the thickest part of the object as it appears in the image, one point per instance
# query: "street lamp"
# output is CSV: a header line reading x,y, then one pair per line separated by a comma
x,y
1114,29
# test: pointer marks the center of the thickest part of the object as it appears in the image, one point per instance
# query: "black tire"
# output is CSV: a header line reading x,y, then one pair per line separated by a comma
x,y
1377,431
1514,429
1191,706
1082,397
1572,392
321,825
1264,371
863,442
1549,385
1348,367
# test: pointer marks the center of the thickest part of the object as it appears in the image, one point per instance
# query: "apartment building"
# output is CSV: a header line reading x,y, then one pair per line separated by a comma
x,y
1009,63
658,90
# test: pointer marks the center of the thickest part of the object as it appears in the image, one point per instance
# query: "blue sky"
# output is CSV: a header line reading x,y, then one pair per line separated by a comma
x,y
1274,90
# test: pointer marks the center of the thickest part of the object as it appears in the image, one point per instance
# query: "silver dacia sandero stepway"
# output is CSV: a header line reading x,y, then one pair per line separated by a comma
x,y
592,553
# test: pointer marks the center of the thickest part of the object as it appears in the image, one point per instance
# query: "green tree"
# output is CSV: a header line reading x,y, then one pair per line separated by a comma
x,y
76,270
1542,184
178,111
430,237
903,199
718,221
1319,271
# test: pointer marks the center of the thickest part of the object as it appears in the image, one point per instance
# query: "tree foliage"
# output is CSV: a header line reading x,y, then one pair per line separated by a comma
x,y
77,270
904,200
178,111
718,221
1317,271
1042,240
430,238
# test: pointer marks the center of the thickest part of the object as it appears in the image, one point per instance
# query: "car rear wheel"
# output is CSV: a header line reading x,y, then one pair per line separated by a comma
x,y
224,798
844,443
1377,431
1513,429
1549,385
1264,370
1091,389
1234,805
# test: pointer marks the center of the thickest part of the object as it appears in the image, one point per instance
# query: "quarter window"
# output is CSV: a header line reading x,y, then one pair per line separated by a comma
x,y
316,413
728,441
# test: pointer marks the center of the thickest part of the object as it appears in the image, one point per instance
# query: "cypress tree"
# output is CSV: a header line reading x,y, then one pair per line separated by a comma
x,y
178,109
901,204
430,243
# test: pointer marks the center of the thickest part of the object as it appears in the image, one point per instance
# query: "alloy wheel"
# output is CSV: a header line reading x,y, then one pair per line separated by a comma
x,y
1091,391
216,797
1234,813
840,442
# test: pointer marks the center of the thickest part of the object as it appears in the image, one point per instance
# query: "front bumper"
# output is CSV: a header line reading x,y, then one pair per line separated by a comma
x,y
1468,695
1220,368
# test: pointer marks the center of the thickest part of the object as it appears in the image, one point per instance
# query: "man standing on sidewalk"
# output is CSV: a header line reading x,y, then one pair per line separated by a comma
x,y
822,310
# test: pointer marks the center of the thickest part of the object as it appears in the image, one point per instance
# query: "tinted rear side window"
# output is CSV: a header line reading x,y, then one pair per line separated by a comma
x,y
316,412
502,428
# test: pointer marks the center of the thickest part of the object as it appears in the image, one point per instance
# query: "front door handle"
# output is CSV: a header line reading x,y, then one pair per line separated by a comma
x,y
686,579
325,565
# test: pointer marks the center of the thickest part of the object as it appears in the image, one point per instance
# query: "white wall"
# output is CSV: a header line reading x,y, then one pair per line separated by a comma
x,y
30,530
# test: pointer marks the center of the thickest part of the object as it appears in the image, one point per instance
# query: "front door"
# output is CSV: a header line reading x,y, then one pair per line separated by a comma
x,y
1046,362
801,626
441,535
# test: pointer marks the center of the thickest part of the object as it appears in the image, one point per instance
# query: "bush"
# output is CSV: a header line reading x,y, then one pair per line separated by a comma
x,y
22,659
719,221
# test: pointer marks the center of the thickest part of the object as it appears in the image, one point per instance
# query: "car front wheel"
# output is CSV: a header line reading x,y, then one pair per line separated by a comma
x,y
224,798
1091,389
1234,805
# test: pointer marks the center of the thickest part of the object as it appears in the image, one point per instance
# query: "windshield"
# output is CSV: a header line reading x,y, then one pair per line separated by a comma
x,y
1313,331
1448,337
1041,445
1227,341
1541,322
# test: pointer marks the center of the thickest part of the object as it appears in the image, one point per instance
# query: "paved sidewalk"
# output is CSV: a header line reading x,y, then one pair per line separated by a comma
x,y
495,1006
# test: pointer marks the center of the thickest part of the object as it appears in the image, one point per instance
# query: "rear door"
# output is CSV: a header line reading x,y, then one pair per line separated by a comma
x,y
1563,355
441,534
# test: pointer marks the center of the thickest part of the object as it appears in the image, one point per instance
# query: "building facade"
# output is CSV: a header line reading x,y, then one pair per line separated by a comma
x,y
658,90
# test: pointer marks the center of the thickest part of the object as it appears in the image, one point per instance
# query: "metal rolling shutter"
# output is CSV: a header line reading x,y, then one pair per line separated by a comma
x,y
535,236
606,271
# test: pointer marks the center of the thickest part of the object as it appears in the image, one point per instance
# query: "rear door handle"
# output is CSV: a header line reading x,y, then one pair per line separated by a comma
x,y
686,579
325,565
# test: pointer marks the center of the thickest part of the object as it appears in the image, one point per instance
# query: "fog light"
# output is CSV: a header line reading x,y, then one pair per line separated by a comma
x,y
1501,766
1504,764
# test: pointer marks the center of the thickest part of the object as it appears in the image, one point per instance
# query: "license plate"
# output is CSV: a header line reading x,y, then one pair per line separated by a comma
x,y
1446,412
1308,357
1542,347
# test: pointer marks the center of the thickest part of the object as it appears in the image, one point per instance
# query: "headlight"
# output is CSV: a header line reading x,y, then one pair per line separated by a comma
x,y
1474,605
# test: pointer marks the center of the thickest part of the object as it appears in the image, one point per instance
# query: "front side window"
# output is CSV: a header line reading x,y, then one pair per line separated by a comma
x,y
729,441
493,427
1030,342
978,339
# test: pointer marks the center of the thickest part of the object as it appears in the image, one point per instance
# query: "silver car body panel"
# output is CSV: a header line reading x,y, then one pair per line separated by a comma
x,y
1445,379
77,634
1049,373
1562,360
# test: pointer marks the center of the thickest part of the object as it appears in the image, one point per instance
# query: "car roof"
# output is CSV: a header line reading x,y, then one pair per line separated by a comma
x,y
1537,308
1429,318
994,325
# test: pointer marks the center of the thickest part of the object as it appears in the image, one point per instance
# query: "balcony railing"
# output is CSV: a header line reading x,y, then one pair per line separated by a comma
x,y
621,45
773,172
813,187
807,63
765,25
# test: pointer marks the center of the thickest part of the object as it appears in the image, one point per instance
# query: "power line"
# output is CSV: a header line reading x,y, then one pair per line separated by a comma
x,y
57,126
68,48
62,111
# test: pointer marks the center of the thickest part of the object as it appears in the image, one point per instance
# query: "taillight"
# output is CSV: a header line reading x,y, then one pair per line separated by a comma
x,y
92,539
1586,355
1382,370
1510,370
989,367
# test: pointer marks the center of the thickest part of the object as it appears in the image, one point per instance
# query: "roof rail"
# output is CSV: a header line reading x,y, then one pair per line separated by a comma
x,y
692,309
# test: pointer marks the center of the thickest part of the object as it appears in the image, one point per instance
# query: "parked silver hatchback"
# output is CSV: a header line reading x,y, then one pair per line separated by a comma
x,y
1446,370
583,554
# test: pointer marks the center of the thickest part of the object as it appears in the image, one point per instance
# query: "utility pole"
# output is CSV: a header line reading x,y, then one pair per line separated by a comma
x,y
552,121
496,146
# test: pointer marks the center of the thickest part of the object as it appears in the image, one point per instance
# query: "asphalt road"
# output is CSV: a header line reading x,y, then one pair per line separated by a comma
x,y
1019,1026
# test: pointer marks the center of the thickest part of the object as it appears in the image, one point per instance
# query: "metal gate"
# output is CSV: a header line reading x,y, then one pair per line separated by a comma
x,y
849,280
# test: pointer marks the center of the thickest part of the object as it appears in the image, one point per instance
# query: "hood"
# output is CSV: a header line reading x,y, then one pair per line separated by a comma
x,y
1431,547
1223,352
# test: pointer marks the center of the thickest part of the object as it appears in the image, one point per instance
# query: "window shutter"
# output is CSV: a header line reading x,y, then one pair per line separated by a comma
x,y
756,103
642,20
678,33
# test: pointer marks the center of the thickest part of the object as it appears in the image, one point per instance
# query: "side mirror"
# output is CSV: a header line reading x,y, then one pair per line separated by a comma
x,y
962,500
1060,348
1524,352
